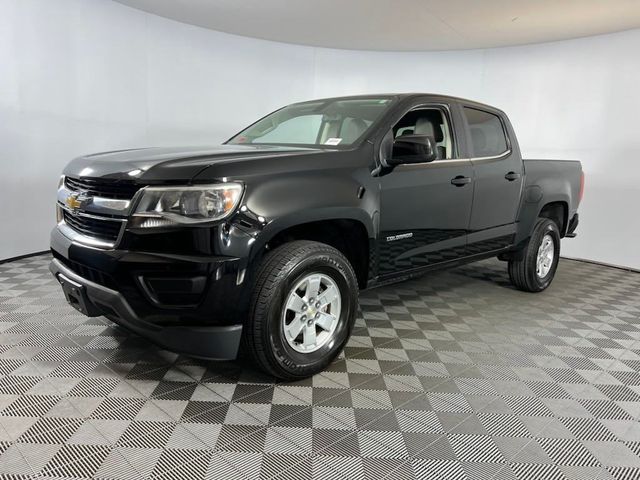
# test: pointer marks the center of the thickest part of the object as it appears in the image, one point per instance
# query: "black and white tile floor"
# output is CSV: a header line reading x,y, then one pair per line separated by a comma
x,y
455,375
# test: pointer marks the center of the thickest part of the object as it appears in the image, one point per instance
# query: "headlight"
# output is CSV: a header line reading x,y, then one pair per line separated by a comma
x,y
165,206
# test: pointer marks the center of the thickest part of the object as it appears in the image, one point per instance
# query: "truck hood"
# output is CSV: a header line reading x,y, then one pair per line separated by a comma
x,y
172,164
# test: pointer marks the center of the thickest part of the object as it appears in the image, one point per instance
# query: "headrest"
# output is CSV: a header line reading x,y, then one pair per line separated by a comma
x,y
352,128
426,126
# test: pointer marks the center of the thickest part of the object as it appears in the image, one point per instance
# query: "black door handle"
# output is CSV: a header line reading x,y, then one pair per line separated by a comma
x,y
511,176
460,181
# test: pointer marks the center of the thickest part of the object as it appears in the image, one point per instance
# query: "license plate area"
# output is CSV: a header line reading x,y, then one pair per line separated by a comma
x,y
76,295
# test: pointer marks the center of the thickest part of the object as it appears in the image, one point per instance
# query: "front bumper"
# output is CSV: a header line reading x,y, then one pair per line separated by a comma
x,y
92,299
114,283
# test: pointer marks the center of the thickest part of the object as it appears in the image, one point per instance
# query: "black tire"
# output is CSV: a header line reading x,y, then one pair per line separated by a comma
x,y
522,268
279,272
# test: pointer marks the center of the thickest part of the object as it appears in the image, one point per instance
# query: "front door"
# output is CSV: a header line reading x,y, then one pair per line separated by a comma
x,y
425,207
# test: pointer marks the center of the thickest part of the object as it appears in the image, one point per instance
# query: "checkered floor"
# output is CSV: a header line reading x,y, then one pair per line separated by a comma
x,y
455,375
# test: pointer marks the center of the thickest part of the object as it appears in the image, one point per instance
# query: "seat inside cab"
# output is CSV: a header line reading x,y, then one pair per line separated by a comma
x,y
427,121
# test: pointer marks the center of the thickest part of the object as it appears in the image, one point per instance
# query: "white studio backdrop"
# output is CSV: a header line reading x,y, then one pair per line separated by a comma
x,y
80,76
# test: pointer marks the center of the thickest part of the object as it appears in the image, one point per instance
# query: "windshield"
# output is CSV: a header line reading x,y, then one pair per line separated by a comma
x,y
323,122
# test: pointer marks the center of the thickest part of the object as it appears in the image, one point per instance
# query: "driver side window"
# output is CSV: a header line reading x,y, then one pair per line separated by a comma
x,y
428,121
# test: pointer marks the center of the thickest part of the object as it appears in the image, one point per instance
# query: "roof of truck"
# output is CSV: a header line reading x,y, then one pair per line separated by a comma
x,y
408,95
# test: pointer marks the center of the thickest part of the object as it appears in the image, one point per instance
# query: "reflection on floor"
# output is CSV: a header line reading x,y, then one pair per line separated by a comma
x,y
454,375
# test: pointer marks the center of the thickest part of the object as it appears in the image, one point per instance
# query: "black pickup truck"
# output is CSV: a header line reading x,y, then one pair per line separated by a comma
x,y
265,241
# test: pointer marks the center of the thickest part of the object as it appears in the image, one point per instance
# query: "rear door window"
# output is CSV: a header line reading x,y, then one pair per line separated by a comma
x,y
488,138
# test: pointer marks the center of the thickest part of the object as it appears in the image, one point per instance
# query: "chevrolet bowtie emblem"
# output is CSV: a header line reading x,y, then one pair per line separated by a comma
x,y
76,200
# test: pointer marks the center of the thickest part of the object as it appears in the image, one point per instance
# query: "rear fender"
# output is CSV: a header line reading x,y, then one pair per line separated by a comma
x,y
533,201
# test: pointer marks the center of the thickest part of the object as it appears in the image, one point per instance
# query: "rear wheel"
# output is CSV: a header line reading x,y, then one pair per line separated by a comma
x,y
302,310
534,269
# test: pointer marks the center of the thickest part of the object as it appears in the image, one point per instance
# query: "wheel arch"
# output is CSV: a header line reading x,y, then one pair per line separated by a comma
x,y
348,230
558,211
536,203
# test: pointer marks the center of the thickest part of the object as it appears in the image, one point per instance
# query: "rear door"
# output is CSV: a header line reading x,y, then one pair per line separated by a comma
x,y
498,180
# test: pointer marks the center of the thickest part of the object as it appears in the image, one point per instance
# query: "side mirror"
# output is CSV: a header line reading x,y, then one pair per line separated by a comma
x,y
413,149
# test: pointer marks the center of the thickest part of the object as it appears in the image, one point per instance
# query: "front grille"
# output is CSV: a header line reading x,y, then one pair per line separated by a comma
x,y
102,229
99,187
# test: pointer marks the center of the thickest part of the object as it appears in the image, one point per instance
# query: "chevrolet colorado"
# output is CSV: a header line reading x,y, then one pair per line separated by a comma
x,y
265,241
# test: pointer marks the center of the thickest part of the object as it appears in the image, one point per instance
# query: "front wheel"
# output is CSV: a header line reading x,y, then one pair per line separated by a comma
x,y
536,266
302,310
